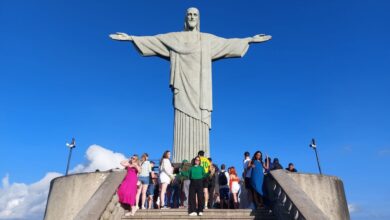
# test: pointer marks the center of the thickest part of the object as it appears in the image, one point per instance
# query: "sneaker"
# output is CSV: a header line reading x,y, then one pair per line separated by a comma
x,y
200,213
164,207
206,207
192,214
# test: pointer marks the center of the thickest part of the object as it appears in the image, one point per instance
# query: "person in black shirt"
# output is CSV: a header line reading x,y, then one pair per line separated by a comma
x,y
276,165
291,168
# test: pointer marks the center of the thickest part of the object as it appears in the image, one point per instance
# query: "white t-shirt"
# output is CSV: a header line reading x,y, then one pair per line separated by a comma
x,y
145,169
248,171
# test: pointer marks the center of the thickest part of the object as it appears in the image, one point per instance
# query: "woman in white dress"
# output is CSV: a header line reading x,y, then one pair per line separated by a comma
x,y
166,176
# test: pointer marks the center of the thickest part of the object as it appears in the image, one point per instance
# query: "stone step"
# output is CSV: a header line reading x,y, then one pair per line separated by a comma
x,y
207,214
186,217
235,212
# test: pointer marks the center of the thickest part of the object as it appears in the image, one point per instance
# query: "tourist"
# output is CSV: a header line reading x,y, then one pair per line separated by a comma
x,y
269,165
196,175
266,181
247,172
223,181
276,165
166,176
184,175
257,178
144,177
291,168
212,182
205,163
128,189
175,189
152,185
234,185
247,178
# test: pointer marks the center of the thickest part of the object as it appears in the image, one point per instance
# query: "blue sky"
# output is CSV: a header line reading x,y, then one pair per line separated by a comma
x,y
325,74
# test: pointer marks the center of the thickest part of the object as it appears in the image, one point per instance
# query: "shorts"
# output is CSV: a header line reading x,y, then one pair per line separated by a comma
x,y
224,193
144,180
164,178
205,183
150,191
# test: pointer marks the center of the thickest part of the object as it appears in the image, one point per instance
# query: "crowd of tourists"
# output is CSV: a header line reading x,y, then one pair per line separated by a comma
x,y
195,185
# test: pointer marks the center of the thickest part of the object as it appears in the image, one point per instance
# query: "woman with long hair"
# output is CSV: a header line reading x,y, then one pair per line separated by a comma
x,y
234,184
127,191
166,176
144,178
212,182
257,178
196,175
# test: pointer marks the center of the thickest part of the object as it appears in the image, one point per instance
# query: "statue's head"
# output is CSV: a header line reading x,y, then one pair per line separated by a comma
x,y
191,20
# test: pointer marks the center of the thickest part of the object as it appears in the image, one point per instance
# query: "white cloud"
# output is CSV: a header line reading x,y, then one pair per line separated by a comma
x,y
99,158
28,201
20,200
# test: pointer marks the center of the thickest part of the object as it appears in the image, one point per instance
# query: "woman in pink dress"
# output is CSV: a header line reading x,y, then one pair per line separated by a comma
x,y
127,191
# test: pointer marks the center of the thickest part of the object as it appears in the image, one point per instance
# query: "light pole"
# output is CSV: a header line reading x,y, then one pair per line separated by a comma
x,y
71,146
314,146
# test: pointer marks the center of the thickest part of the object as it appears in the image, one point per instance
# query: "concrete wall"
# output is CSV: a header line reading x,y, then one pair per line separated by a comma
x,y
104,200
327,192
69,194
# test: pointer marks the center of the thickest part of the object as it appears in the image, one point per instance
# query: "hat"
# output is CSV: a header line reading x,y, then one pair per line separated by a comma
x,y
185,161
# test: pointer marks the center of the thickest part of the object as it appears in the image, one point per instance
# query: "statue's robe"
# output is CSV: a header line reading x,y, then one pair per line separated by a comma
x,y
191,54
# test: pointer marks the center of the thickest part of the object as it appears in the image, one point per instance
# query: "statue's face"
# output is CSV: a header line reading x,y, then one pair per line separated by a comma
x,y
192,17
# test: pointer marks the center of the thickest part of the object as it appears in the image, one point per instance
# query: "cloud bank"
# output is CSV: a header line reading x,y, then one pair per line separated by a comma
x,y
20,200
99,158
28,201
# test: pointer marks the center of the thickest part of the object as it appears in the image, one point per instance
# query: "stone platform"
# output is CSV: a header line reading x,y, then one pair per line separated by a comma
x,y
298,196
207,214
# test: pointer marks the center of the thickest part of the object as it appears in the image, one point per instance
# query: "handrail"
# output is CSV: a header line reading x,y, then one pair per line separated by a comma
x,y
288,200
97,204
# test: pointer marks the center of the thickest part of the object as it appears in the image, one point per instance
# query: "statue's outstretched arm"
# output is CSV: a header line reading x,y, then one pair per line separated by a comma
x,y
121,36
259,38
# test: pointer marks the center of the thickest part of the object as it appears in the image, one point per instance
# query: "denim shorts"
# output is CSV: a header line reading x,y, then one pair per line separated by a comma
x,y
150,191
144,180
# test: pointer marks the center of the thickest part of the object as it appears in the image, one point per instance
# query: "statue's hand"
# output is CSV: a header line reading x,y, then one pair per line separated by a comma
x,y
121,36
261,38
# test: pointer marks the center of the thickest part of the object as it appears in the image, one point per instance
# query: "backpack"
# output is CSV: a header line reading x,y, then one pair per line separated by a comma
x,y
222,179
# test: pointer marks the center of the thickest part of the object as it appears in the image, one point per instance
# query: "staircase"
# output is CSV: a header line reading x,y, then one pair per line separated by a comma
x,y
207,214
295,196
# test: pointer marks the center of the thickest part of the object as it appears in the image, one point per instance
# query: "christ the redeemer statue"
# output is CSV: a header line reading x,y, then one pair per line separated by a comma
x,y
191,54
